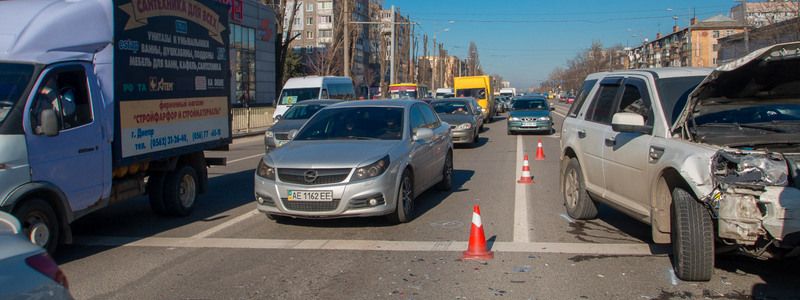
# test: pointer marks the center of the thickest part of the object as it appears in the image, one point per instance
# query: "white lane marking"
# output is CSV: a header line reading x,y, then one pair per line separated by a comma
x,y
554,136
637,249
566,217
208,232
521,232
560,114
245,158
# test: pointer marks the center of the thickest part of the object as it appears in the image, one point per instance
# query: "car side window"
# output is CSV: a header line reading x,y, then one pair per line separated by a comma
x,y
417,118
431,120
584,93
602,108
65,92
635,100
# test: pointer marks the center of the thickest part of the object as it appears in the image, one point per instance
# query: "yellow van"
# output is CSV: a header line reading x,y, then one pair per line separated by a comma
x,y
478,87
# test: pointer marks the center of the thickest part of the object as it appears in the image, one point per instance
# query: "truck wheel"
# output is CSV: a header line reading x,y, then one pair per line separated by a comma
x,y
40,223
180,191
155,192
692,238
577,201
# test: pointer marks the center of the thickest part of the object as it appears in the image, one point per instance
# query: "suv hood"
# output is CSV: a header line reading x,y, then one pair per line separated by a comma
x,y
762,76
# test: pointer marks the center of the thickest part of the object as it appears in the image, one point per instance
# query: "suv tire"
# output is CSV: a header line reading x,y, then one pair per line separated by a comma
x,y
576,200
692,238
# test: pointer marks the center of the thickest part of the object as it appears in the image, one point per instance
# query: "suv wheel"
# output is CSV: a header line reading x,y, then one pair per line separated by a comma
x,y
692,238
577,201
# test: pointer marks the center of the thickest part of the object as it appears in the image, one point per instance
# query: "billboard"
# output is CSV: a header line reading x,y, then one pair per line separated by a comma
x,y
172,71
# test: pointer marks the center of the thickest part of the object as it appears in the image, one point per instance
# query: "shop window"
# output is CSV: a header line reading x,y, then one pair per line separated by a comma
x,y
244,63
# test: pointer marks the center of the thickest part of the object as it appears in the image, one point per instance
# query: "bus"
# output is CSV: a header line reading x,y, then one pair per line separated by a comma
x,y
408,91
478,87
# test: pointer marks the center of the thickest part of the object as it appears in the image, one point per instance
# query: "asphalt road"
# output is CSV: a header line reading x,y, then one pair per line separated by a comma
x,y
227,251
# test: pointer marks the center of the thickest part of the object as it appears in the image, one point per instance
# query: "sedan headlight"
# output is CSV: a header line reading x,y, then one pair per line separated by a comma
x,y
515,119
544,118
269,134
373,170
265,170
464,126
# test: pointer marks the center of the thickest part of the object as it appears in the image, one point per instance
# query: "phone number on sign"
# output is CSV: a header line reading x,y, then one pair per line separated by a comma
x,y
168,140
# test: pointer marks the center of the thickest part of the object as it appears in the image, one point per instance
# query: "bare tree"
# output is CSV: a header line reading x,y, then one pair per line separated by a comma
x,y
283,8
383,63
473,60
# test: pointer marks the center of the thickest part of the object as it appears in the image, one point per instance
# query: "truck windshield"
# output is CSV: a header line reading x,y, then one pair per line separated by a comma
x,y
403,94
479,93
292,96
14,78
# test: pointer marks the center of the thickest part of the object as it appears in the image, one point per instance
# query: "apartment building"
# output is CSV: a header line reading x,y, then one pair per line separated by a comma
x,y
759,14
693,46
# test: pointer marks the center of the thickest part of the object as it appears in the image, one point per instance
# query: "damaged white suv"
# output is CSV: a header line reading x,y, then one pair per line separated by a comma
x,y
710,159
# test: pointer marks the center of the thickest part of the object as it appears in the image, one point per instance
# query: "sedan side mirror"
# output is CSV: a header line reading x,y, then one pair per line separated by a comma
x,y
423,134
630,122
48,123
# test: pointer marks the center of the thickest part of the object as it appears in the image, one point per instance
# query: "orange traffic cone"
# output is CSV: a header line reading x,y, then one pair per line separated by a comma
x,y
477,240
526,172
539,150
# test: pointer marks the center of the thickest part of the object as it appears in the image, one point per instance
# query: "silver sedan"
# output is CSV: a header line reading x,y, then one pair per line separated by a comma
x,y
359,158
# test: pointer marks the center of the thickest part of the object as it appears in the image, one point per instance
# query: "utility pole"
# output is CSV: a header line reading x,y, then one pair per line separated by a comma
x,y
391,51
746,28
434,62
346,39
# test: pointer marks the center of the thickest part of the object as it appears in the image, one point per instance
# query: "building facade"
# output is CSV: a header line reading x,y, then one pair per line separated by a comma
x,y
759,14
694,46
252,52
734,46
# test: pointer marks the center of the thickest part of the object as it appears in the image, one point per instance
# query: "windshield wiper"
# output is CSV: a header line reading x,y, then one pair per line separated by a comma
x,y
748,126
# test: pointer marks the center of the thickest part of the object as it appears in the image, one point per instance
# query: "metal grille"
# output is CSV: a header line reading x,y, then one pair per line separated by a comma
x,y
313,206
324,176
529,119
282,136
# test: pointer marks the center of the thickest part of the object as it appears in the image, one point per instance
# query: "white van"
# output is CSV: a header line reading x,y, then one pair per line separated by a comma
x,y
313,87
444,93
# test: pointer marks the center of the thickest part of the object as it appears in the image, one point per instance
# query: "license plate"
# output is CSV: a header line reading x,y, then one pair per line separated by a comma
x,y
528,124
319,196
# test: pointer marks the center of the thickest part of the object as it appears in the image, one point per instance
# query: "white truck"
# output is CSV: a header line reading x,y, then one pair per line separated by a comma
x,y
103,101
508,92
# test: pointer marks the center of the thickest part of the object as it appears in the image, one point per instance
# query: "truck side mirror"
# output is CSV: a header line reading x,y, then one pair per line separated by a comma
x,y
48,122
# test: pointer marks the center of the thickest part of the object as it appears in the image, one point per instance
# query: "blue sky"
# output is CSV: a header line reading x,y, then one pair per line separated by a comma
x,y
523,40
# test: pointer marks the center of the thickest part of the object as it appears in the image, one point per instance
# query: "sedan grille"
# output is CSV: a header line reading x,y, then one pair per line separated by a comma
x,y
282,136
312,206
313,176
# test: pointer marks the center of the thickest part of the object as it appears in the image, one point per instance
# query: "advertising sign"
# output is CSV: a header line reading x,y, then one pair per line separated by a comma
x,y
171,70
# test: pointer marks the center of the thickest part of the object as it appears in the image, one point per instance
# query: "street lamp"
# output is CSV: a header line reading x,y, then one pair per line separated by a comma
x,y
435,67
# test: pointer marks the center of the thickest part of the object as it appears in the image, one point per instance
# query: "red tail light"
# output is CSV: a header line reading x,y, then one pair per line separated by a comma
x,y
45,265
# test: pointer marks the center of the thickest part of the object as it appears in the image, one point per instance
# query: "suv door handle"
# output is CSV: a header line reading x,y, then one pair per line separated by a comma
x,y
611,142
581,133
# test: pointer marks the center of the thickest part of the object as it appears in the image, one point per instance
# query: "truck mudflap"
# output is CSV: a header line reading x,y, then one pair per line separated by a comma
x,y
754,202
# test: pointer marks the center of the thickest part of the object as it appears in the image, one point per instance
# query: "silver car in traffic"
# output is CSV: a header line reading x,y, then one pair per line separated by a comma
x,y
292,119
354,159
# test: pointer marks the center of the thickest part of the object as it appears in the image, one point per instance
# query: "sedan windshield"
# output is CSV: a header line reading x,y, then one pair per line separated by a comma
x,y
292,96
357,123
451,107
14,79
301,112
522,104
